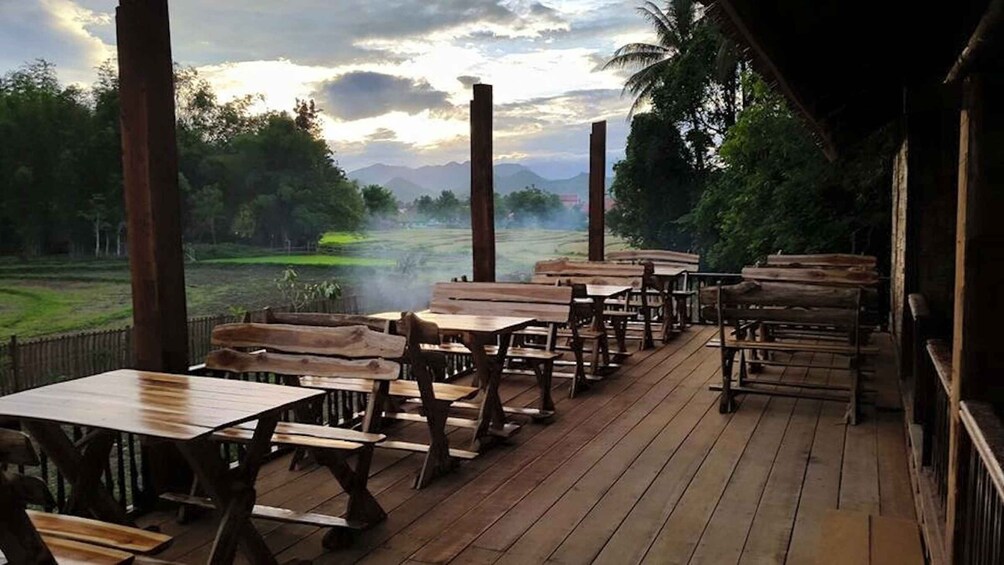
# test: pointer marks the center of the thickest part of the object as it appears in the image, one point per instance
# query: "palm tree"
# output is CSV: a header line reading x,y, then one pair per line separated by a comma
x,y
674,29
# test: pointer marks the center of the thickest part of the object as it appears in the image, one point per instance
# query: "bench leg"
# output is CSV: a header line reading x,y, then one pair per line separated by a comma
x,y
726,402
19,540
620,332
579,378
543,372
437,459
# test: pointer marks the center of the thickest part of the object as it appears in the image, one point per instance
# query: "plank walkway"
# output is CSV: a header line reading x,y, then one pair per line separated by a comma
x,y
640,469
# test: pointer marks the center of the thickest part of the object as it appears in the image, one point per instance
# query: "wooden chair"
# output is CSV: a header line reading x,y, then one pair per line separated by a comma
x,y
552,307
428,369
636,276
317,357
29,536
745,312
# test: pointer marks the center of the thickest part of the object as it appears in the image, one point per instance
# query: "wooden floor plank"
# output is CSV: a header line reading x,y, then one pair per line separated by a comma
x,y
631,538
486,472
590,535
641,467
506,531
589,442
553,527
771,531
845,540
725,534
859,482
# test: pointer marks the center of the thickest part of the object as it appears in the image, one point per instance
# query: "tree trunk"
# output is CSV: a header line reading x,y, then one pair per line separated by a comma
x,y
97,236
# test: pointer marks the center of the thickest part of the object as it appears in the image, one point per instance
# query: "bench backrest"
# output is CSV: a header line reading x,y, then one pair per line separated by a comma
x,y
326,320
546,304
285,349
689,261
817,276
824,261
784,303
592,272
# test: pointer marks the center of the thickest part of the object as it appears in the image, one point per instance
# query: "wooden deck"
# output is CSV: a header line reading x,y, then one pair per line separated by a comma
x,y
642,468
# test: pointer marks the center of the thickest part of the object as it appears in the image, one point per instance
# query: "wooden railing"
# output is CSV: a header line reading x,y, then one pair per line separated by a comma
x,y
697,280
979,528
940,360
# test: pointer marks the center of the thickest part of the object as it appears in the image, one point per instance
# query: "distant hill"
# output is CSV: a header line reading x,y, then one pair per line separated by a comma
x,y
409,183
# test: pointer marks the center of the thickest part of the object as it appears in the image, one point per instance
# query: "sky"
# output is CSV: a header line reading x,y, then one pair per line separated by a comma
x,y
392,78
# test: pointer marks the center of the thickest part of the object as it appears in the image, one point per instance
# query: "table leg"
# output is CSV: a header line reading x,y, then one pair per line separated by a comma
x,y
232,491
82,468
491,416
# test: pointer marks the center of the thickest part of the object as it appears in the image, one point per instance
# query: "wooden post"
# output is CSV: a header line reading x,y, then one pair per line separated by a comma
x,y
977,357
14,366
482,185
597,188
153,202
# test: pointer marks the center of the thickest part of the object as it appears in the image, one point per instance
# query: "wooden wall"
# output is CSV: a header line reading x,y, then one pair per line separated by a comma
x,y
900,199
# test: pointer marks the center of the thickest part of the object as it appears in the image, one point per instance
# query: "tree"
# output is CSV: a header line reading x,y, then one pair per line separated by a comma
x,y
208,208
654,186
379,201
532,204
776,191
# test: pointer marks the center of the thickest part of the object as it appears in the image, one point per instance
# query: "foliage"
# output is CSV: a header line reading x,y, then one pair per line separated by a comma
x,y
445,208
298,293
379,201
262,178
720,164
531,204
776,191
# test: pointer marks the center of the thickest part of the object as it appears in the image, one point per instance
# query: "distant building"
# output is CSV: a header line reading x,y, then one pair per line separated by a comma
x,y
608,203
570,200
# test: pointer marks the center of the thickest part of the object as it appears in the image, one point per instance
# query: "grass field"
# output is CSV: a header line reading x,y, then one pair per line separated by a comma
x,y
387,269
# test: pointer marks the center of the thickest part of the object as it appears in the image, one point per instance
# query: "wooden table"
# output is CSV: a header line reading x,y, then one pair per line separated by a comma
x,y
181,409
477,333
665,278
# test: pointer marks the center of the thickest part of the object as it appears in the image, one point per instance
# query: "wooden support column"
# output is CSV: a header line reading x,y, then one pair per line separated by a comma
x,y
597,188
152,199
977,355
482,185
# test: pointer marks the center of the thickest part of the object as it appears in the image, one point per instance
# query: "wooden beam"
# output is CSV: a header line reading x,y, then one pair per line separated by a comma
x,y
482,185
977,357
153,207
597,188
984,34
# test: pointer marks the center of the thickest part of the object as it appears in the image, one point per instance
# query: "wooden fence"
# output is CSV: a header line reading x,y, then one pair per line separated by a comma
x,y
34,362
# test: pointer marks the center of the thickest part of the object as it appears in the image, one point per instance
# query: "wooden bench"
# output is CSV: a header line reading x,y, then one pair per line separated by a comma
x,y
636,276
857,538
676,299
552,307
314,356
427,368
824,261
746,314
30,536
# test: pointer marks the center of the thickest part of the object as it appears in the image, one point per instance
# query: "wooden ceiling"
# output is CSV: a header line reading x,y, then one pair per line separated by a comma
x,y
844,65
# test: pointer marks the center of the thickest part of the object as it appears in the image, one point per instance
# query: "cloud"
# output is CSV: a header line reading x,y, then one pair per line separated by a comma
x,y
363,94
58,31
468,80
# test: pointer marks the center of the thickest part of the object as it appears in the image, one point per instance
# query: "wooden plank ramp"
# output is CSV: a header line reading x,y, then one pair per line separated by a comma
x,y
640,468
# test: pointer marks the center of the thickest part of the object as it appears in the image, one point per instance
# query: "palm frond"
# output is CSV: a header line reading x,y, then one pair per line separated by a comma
x,y
637,55
664,27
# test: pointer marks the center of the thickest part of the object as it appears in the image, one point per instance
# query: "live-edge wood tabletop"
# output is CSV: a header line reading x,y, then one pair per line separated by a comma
x,y
161,405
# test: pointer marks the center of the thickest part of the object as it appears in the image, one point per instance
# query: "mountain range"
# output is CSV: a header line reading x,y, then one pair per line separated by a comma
x,y
409,183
